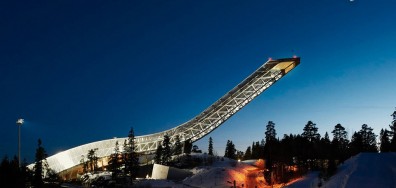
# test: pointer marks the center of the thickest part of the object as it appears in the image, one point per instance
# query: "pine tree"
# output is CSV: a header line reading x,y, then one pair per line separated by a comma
x,y
256,150
166,151
311,132
248,153
239,155
196,149
270,133
124,156
11,175
178,146
132,157
385,141
187,147
339,133
324,147
262,147
369,139
393,132
84,163
326,138
233,151
340,142
158,155
40,166
52,177
92,159
114,163
356,144
230,151
270,147
210,147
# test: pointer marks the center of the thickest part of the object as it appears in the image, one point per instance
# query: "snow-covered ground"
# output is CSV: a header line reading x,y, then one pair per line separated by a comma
x,y
222,173
365,170
369,170
311,180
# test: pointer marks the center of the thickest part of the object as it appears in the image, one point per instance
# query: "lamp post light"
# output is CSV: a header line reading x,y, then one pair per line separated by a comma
x,y
19,123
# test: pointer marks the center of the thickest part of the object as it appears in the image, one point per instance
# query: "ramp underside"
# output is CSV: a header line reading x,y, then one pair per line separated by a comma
x,y
225,107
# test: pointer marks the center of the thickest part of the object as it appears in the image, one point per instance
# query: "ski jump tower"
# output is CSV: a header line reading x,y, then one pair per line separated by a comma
x,y
194,129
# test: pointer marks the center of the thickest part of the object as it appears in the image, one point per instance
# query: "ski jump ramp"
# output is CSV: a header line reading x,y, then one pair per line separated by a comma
x,y
194,129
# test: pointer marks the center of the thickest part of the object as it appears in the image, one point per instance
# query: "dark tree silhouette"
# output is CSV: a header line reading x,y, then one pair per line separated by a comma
x,y
84,164
40,165
339,133
325,148
196,149
385,141
258,150
270,133
178,148
230,150
158,155
187,147
115,161
369,139
248,153
11,175
92,160
132,157
340,142
363,141
392,132
124,156
166,151
310,132
210,147
356,144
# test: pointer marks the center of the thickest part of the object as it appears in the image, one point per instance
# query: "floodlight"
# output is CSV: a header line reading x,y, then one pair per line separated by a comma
x,y
20,121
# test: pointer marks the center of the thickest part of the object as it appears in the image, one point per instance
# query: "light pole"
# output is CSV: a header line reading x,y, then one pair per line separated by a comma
x,y
19,123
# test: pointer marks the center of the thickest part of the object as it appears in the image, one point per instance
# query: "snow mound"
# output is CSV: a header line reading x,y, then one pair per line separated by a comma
x,y
366,170
156,183
311,180
223,174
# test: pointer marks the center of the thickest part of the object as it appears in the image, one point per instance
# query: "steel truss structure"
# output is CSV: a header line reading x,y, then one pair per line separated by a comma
x,y
194,129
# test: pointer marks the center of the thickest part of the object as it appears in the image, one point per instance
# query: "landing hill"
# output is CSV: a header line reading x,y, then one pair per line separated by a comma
x,y
365,170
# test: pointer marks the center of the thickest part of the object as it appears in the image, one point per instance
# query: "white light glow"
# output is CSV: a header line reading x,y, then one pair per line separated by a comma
x,y
20,121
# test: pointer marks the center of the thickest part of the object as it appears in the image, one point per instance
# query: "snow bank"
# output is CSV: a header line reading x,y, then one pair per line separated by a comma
x,y
223,174
311,180
156,183
366,170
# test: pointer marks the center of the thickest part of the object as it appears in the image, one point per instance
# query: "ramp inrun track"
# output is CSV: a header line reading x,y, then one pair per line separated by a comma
x,y
194,129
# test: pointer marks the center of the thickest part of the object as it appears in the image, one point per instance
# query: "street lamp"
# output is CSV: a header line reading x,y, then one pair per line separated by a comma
x,y
19,123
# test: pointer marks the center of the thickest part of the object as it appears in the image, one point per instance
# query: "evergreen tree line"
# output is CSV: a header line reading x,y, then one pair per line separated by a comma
x,y
178,153
126,163
166,150
13,175
295,154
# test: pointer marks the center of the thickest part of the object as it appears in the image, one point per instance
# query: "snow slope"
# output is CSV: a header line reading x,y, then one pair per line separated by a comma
x,y
224,173
311,180
366,170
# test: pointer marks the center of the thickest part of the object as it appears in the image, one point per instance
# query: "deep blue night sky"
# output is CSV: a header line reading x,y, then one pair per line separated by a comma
x,y
79,72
